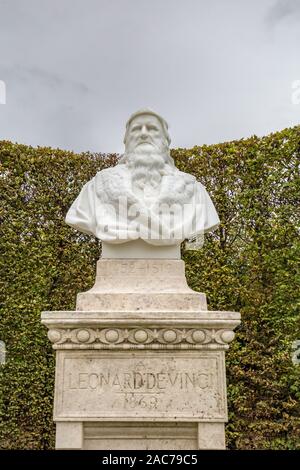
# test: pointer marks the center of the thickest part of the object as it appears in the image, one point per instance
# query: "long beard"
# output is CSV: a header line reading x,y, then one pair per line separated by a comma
x,y
150,168
146,168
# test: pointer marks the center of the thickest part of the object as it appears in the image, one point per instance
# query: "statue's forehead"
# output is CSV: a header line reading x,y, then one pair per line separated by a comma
x,y
144,119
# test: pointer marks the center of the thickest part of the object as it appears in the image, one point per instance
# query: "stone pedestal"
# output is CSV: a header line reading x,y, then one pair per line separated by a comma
x,y
140,363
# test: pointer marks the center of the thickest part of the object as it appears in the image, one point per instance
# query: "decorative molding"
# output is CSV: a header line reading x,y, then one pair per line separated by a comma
x,y
140,337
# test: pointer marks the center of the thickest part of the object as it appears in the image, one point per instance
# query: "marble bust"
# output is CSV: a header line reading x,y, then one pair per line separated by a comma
x,y
144,197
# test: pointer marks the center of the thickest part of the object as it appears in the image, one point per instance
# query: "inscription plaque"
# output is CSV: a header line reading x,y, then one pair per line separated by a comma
x,y
140,385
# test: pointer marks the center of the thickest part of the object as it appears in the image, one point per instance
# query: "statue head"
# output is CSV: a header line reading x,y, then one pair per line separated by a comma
x,y
146,128
147,134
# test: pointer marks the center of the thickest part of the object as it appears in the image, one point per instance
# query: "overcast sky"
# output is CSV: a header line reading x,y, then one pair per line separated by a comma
x,y
217,70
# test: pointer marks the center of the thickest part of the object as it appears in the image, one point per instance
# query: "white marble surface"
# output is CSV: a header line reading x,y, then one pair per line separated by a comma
x,y
144,197
139,249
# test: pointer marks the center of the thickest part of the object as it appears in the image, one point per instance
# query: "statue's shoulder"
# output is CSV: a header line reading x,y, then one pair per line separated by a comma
x,y
192,179
188,178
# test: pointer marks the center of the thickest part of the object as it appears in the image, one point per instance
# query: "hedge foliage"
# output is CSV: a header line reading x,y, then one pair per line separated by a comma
x,y
250,264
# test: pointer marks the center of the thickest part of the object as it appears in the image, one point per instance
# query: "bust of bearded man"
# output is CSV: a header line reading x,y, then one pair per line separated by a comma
x,y
144,197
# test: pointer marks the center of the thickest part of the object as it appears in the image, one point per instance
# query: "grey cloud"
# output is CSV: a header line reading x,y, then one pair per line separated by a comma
x,y
35,74
75,70
282,10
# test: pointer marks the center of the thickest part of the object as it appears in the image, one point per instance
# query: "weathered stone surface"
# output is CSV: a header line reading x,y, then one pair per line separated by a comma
x,y
211,436
69,435
146,378
141,367
139,435
140,275
205,330
158,385
153,284
144,302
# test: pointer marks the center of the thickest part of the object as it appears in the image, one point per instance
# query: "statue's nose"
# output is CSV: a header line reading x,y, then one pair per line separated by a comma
x,y
144,132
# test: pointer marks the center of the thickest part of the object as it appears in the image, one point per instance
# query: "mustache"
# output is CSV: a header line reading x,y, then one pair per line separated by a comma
x,y
139,156
146,161
146,141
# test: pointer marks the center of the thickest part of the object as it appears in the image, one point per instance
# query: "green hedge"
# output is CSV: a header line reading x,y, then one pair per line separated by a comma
x,y
250,264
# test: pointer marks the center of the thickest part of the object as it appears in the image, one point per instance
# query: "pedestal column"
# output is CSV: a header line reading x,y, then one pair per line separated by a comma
x,y
140,363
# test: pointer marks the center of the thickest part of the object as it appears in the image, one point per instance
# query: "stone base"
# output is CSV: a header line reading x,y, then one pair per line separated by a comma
x,y
139,284
146,370
139,436
152,380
